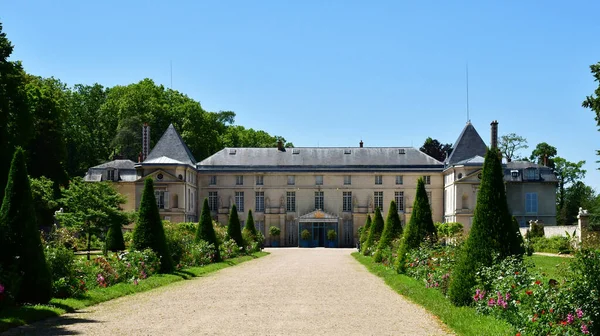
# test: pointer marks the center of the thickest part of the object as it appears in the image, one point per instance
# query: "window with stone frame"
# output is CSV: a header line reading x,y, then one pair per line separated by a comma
x,y
319,200
399,198
260,201
291,201
213,200
378,200
347,201
239,201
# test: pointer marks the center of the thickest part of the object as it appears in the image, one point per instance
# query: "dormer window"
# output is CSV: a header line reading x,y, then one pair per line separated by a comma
x,y
514,173
531,174
112,175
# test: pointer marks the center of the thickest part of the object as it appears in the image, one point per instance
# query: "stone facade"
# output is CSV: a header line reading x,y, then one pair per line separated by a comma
x,y
339,186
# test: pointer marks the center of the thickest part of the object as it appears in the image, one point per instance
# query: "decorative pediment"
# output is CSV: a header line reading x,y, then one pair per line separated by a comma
x,y
472,177
318,216
162,176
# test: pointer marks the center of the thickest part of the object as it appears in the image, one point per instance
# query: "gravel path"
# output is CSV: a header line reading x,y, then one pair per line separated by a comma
x,y
291,291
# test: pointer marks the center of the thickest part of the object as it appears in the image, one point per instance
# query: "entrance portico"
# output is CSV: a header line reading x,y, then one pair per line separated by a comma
x,y
318,223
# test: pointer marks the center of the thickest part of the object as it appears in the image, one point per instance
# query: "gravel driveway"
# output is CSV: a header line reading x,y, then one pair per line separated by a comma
x,y
290,292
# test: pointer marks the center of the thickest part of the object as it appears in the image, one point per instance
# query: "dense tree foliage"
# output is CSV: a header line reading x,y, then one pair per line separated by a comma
x,y
493,232
206,231
543,154
149,231
435,149
510,144
249,228
15,118
21,250
91,207
567,173
593,101
419,227
391,230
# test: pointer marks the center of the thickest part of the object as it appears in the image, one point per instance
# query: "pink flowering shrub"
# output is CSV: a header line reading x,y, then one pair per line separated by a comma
x,y
507,290
229,249
119,267
432,263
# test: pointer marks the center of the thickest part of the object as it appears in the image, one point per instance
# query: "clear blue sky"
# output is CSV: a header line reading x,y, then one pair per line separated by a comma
x,y
330,73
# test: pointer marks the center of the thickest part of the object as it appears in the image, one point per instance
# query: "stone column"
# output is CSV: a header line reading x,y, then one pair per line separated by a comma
x,y
583,220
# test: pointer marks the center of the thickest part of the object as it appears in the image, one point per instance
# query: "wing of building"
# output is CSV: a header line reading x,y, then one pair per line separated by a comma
x,y
323,189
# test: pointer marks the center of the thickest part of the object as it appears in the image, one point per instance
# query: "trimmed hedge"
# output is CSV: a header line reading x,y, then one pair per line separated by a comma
x,y
149,231
21,250
493,232
391,231
234,230
206,231
374,232
419,227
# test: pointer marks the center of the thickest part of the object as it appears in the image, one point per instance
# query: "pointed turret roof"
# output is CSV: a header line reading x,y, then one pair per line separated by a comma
x,y
468,145
171,149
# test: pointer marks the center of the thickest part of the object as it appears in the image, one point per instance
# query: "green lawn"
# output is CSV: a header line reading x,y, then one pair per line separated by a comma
x,y
550,267
462,320
12,317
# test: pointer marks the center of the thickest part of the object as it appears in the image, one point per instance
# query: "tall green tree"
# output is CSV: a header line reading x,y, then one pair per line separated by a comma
x,y
510,144
543,154
114,237
567,173
419,227
374,232
579,195
493,232
91,207
15,117
47,100
592,101
365,231
206,231
391,230
234,230
435,149
88,131
21,250
149,231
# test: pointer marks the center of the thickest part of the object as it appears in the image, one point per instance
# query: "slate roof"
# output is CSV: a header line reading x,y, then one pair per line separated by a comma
x,y
311,159
171,146
546,174
117,164
468,145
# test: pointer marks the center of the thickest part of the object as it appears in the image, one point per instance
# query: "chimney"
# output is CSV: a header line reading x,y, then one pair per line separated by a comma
x,y
361,143
140,157
494,140
145,141
280,145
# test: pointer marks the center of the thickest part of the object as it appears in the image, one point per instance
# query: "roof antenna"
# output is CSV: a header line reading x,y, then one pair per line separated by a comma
x,y
467,73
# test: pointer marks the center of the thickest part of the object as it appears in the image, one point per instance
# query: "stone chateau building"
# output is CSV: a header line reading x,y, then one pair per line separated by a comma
x,y
320,189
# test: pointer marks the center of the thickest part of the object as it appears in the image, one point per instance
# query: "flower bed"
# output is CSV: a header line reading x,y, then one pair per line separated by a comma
x,y
510,291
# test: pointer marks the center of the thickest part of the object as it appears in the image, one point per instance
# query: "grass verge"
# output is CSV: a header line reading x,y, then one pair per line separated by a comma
x,y
16,316
550,267
462,320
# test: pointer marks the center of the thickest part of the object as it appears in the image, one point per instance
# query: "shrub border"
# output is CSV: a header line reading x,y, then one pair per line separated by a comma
x,y
17,316
462,320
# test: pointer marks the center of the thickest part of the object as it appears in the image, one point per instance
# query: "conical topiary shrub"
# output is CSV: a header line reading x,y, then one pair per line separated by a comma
x,y
365,232
149,231
249,229
114,237
234,231
420,226
493,232
391,230
21,250
206,231
374,232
